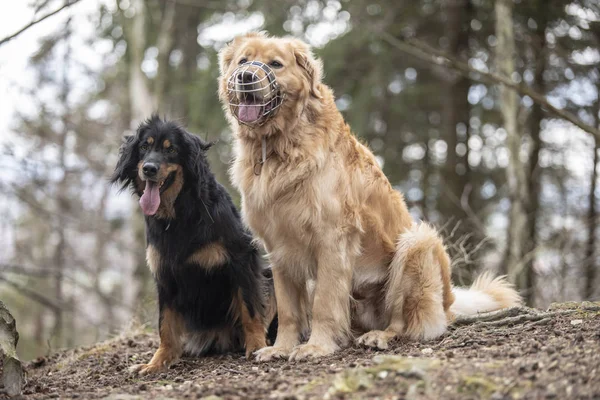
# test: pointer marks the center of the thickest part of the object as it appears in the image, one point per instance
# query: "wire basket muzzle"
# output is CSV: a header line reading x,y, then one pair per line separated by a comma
x,y
253,93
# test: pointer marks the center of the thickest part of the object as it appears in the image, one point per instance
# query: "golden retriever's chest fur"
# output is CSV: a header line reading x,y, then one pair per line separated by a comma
x,y
333,193
288,204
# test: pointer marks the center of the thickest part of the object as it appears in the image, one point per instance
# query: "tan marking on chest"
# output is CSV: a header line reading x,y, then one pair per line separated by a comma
x,y
209,256
153,259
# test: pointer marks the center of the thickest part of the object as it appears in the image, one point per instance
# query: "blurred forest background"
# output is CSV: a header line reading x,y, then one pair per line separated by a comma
x,y
483,113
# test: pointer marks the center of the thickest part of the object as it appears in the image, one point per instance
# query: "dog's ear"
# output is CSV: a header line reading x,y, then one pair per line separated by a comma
x,y
312,67
226,56
126,169
195,162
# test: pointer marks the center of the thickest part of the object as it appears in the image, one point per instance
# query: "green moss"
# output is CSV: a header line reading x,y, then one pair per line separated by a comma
x,y
357,379
351,381
403,364
478,385
311,385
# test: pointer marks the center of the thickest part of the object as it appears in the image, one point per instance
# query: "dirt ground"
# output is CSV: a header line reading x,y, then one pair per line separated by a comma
x,y
527,354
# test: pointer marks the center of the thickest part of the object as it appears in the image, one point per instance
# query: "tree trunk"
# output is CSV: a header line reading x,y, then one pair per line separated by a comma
x,y
13,377
456,114
590,253
190,48
456,108
62,202
164,44
101,264
142,102
534,175
518,227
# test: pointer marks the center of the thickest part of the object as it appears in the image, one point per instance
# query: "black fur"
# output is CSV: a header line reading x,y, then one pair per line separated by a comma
x,y
204,213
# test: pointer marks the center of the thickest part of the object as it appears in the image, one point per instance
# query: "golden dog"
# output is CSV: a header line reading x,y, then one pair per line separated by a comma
x,y
347,257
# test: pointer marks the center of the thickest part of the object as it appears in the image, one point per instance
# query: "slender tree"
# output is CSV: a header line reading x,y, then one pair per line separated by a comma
x,y
455,107
533,177
591,267
515,171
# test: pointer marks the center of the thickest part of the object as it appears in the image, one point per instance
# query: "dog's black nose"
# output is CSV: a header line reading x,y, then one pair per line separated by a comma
x,y
246,77
150,169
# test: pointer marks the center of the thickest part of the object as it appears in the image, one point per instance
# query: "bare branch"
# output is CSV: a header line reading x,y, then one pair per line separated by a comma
x,y
48,302
437,57
38,272
37,21
27,271
43,300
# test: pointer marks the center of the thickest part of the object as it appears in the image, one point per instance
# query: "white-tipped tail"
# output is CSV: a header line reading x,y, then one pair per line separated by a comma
x,y
485,294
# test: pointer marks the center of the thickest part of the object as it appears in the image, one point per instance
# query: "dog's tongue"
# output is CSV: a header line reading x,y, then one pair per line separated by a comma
x,y
249,112
150,200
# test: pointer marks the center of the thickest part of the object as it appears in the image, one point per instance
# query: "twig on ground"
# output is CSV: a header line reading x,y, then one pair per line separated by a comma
x,y
520,319
543,321
516,316
491,316
230,370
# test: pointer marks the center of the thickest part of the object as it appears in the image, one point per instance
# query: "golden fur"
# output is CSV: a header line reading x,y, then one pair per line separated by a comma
x,y
326,213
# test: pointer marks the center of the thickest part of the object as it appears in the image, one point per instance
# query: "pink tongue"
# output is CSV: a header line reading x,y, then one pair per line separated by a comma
x,y
248,112
150,200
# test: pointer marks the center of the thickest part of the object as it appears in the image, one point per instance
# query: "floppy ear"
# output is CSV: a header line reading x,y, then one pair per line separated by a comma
x,y
312,68
226,56
126,169
195,162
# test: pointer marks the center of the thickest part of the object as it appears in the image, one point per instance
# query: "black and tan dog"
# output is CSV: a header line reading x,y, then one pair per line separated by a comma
x,y
213,294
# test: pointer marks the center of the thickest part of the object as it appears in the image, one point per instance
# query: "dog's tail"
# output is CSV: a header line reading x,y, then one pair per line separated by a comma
x,y
485,294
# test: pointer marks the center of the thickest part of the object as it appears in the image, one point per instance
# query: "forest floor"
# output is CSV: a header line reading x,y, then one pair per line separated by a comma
x,y
529,354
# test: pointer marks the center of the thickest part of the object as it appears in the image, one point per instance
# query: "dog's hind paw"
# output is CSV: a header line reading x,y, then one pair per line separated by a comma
x,y
146,369
306,351
271,352
376,339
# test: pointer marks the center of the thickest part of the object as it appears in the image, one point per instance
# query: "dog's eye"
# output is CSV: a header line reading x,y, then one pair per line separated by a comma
x,y
144,147
243,61
275,64
171,150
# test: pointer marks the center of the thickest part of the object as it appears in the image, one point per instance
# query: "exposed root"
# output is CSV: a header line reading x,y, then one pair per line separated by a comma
x,y
544,321
518,315
521,319
492,316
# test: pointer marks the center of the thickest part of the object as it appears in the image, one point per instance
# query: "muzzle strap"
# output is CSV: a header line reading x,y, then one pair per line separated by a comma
x,y
253,93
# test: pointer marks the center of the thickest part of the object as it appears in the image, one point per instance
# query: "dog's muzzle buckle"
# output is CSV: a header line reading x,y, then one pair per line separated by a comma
x,y
253,93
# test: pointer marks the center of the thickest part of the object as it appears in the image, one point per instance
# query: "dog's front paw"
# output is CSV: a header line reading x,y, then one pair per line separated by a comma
x,y
271,352
146,369
306,351
252,348
376,339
